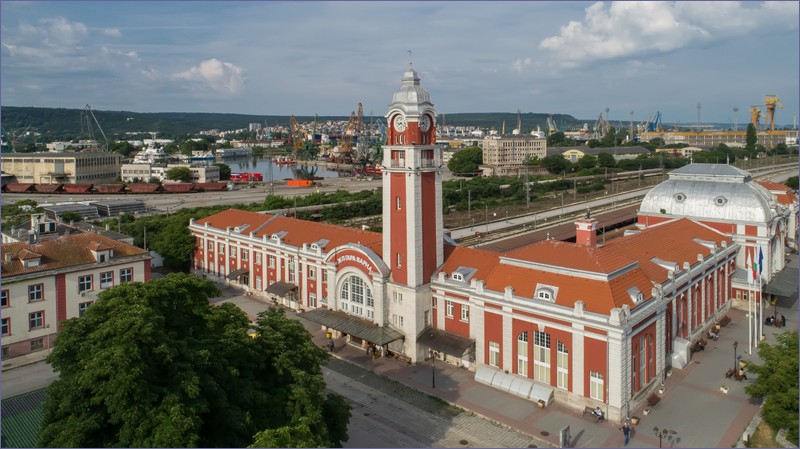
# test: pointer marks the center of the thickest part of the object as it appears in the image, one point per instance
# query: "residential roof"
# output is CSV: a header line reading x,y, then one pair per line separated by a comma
x,y
21,417
782,193
63,252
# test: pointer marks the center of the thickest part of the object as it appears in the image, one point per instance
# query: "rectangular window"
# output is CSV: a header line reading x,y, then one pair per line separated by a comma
x,y
37,344
312,273
434,303
107,279
541,357
522,354
245,255
6,352
271,261
82,307
312,300
324,275
399,260
211,246
494,354
738,294
35,292
596,386
398,203
125,275
562,367
397,297
426,318
258,258
4,298
84,283
6,326
464,312
449,308
36,320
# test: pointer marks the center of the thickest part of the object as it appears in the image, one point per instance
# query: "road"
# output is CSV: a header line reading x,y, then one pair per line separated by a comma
x,y
27,378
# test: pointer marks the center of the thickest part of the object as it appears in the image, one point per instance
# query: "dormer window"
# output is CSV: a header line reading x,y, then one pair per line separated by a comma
x,y
635,295
314,246
545,293
457,277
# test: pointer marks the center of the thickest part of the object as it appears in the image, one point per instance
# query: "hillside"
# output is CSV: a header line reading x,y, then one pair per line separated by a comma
x,y
61,123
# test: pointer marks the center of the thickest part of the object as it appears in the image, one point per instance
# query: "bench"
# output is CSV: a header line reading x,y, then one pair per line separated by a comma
x,y
724,321
590,411
653,399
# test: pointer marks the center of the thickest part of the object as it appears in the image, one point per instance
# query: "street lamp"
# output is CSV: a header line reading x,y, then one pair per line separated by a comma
x,y
735,345
433,354
506,216
662,433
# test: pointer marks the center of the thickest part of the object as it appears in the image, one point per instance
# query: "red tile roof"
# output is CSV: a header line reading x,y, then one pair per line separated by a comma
x,y
565,254
773,186
297,231
63,252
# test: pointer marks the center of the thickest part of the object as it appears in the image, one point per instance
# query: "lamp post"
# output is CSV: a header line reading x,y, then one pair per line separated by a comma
x,y
506,216
735,345
662,433
473,224
433,367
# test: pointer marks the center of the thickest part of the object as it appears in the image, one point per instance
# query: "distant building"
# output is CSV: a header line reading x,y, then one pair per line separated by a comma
x,y
574,154
40,228
95,167
708,139
45,283
145,172
506,155
685,152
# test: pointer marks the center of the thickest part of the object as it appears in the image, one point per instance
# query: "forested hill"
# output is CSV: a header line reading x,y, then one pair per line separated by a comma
x,y
61,123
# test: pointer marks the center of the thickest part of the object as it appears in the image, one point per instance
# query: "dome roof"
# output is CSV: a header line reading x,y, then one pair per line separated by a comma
x,y
710,191
411,98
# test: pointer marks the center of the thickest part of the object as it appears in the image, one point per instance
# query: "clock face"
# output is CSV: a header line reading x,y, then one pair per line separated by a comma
x,y
424,123
400,123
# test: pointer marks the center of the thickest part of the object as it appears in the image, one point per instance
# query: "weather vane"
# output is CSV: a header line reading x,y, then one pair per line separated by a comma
x,y
410,62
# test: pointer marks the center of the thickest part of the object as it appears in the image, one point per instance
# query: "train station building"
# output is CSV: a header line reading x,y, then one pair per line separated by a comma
x,y
582,324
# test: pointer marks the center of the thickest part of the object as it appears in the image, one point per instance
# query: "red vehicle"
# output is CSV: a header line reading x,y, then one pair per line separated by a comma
x,y
246,177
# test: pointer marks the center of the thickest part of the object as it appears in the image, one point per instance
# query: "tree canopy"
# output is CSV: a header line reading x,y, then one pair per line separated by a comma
x,y
155,365
179,174
466,162
777,383
556,163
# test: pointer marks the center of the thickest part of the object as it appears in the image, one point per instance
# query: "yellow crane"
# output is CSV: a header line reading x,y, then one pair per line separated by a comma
x,y
755,115
770,101
296,135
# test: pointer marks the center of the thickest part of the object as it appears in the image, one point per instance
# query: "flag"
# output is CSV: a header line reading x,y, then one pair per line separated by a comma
x,y
760,261
749,267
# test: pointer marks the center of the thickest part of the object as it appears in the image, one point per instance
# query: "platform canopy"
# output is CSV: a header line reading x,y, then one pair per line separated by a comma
x,y
351,325
445,342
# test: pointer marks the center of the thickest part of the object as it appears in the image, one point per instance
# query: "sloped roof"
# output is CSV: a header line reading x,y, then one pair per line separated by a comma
x,y
65,251
297,232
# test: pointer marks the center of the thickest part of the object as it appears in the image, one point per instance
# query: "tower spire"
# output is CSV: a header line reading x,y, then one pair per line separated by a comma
x,y
410,61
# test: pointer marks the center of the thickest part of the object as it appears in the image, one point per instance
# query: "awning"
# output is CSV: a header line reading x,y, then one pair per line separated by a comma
x,y
366,330
445,342
236,273
280,288
784,283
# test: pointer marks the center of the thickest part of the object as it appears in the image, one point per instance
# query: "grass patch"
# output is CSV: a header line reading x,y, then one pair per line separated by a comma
x,y
764,436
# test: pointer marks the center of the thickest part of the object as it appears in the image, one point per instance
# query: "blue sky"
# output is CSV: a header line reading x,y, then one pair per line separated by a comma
x,y
304,58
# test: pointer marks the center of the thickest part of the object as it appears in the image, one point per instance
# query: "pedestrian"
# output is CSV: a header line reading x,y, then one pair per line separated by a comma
x,y
626,431
783,321
366,347
330,344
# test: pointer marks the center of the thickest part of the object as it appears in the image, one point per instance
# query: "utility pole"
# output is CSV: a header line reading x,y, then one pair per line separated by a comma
x,y
469,203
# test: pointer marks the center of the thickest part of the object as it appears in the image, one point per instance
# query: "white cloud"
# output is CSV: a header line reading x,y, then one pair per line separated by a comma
x,y
221,76
626,29
112,32
60,32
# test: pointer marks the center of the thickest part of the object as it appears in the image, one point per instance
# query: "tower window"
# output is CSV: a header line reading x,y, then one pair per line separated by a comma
x,y
399,260
399,203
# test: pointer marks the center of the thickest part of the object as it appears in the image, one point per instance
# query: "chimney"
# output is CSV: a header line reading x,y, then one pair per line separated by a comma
x,y
586,231
31,237
7,257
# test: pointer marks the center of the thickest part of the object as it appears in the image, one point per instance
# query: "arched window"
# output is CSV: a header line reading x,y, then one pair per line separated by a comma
x,y
356,297
522,354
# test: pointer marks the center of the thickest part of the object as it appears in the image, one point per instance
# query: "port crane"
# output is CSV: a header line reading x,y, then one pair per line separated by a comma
x,y
770,101
654,125
87,116
551,124
755,115
296,135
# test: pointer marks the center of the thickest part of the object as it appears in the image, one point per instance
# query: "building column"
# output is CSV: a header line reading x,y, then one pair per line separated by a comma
x,y
508,338
477,327
577,357
661,342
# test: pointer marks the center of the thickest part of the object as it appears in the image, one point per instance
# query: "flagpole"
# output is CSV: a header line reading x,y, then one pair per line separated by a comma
x,y
749,320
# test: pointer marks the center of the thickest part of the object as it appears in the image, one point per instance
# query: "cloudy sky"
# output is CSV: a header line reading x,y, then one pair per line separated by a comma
x,y
304,58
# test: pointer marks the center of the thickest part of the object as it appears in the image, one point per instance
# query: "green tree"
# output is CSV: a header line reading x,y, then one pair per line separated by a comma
x,y
466,162
224,171
155,365
777,383
122,147
556,164
606,160
70,216
555,138
587,162
174,242
792,183
751,138
188,146
183,174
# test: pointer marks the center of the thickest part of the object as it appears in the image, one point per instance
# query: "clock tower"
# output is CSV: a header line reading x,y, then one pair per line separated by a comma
x,y
412,186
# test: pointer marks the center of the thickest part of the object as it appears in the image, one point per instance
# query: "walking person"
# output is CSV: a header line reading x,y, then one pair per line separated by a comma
x,y
626,431
330,344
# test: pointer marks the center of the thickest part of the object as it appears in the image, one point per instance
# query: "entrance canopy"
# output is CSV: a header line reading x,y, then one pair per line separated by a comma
x,y
445,342
342,322
784,283
236,273
280,288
